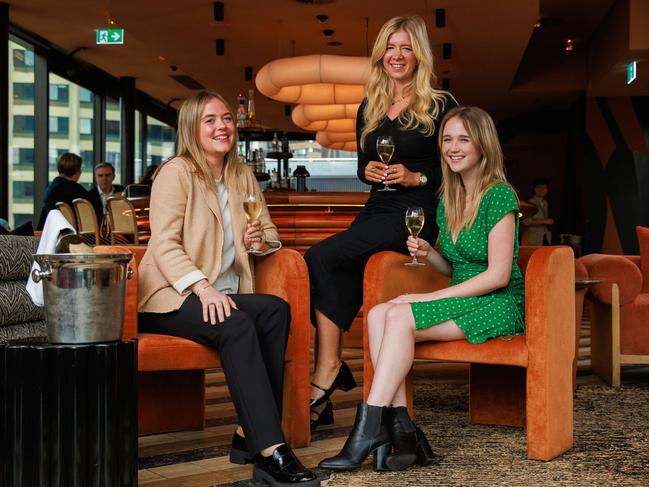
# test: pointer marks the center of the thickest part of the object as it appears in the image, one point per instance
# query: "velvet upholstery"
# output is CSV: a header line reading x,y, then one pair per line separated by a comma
x,y
172,370
524,381
619,310
643,244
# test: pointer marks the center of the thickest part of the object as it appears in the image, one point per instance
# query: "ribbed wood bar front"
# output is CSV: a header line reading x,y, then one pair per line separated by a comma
x,y
68,414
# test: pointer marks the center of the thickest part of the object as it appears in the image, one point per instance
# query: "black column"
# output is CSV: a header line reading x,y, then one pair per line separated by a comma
x,y
127,89
41,125
4,110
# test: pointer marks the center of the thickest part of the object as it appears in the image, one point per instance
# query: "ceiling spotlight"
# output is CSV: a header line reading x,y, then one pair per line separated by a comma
x,y
162,58
247,73
322,18
537,24
447,48
334,43
328,32
219,14
220,47
446,84
440,17
570,45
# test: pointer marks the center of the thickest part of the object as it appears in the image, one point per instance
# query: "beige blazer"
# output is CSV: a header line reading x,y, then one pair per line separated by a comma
x,y
187,236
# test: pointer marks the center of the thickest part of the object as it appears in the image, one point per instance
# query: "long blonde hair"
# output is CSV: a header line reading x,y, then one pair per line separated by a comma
x,y
379,87
491,171
189,147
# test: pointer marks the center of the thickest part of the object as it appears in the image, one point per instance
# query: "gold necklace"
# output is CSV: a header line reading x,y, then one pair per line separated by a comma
x,y
399,100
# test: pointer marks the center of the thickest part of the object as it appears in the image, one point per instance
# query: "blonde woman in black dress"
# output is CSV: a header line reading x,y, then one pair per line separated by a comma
x,y
401,102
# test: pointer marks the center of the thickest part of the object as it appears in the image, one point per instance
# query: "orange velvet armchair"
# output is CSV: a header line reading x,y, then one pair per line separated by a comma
x,y
523,382
619,310
171,378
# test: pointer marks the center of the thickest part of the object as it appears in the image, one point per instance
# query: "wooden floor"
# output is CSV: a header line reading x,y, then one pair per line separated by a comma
x,y
212,443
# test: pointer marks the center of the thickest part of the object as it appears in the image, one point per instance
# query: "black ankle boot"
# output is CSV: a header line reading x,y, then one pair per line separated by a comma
x,y
369,433
404,440
425,455
283,469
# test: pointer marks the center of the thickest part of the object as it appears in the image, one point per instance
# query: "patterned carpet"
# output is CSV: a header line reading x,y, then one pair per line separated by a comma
x,y
611,444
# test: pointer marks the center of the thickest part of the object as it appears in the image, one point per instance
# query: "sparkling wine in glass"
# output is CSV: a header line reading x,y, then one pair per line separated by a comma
x,y
252,209
414,223
385,149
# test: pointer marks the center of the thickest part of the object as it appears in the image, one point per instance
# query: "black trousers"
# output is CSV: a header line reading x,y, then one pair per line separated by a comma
x,y
251,342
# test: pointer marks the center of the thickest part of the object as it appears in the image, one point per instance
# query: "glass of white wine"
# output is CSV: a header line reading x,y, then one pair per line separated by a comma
x,y
252,209
414,223
385,149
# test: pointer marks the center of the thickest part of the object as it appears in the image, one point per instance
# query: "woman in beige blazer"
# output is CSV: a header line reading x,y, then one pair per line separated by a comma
x,y
196,280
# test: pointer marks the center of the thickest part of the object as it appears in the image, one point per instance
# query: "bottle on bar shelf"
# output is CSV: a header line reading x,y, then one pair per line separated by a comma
x,y
252,116
275,144
285,147
242,115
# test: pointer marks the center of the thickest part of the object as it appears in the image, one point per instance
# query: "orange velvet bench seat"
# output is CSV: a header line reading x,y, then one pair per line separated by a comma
x,y
171,370
525,381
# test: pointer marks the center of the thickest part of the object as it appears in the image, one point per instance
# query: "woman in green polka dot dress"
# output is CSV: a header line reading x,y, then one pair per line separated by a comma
x,y
478,229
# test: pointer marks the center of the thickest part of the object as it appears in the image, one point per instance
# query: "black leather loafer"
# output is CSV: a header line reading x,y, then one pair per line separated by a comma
x,y
283,469
239,453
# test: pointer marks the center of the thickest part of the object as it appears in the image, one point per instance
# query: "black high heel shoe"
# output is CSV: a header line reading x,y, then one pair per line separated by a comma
x,y
370,433
425,455
344,381
326,416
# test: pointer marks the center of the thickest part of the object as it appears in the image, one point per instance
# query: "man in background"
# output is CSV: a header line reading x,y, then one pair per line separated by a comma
x,y
537,227
65,187
104,177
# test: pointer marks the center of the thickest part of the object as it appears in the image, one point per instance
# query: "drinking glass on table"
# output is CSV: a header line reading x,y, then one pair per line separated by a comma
x,y
414,222
385,149
252,209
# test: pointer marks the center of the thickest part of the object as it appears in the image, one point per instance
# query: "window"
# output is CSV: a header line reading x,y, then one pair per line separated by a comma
x,y
23,58
59,126
160,142
23,93
85,96
22,155
24,125
23,191
59,93
71,124
112,129
85,126
20,188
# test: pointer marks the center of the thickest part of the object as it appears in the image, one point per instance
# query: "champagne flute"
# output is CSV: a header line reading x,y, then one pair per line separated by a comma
x,y
252,209
385,149
414,222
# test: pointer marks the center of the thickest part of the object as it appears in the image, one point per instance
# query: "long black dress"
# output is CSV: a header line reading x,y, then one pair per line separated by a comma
x,y
336,265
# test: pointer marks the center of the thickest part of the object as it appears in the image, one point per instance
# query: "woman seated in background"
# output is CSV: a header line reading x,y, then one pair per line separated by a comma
x,y
478,227
196,280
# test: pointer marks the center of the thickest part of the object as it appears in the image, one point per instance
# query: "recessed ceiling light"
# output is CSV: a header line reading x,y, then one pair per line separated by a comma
x,y
537,24
328,32
570,45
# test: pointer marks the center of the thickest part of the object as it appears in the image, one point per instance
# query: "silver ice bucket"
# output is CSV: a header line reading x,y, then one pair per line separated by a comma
x,y
83,295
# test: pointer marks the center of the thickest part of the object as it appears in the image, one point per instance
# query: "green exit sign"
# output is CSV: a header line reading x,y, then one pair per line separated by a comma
x,y
110,36
631,72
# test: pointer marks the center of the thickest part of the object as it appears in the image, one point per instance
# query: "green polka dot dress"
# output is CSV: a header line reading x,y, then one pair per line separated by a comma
x,y
498,313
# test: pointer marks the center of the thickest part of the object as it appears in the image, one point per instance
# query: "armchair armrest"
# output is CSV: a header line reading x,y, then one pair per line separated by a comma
x,y
550,309
618,269
284,274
